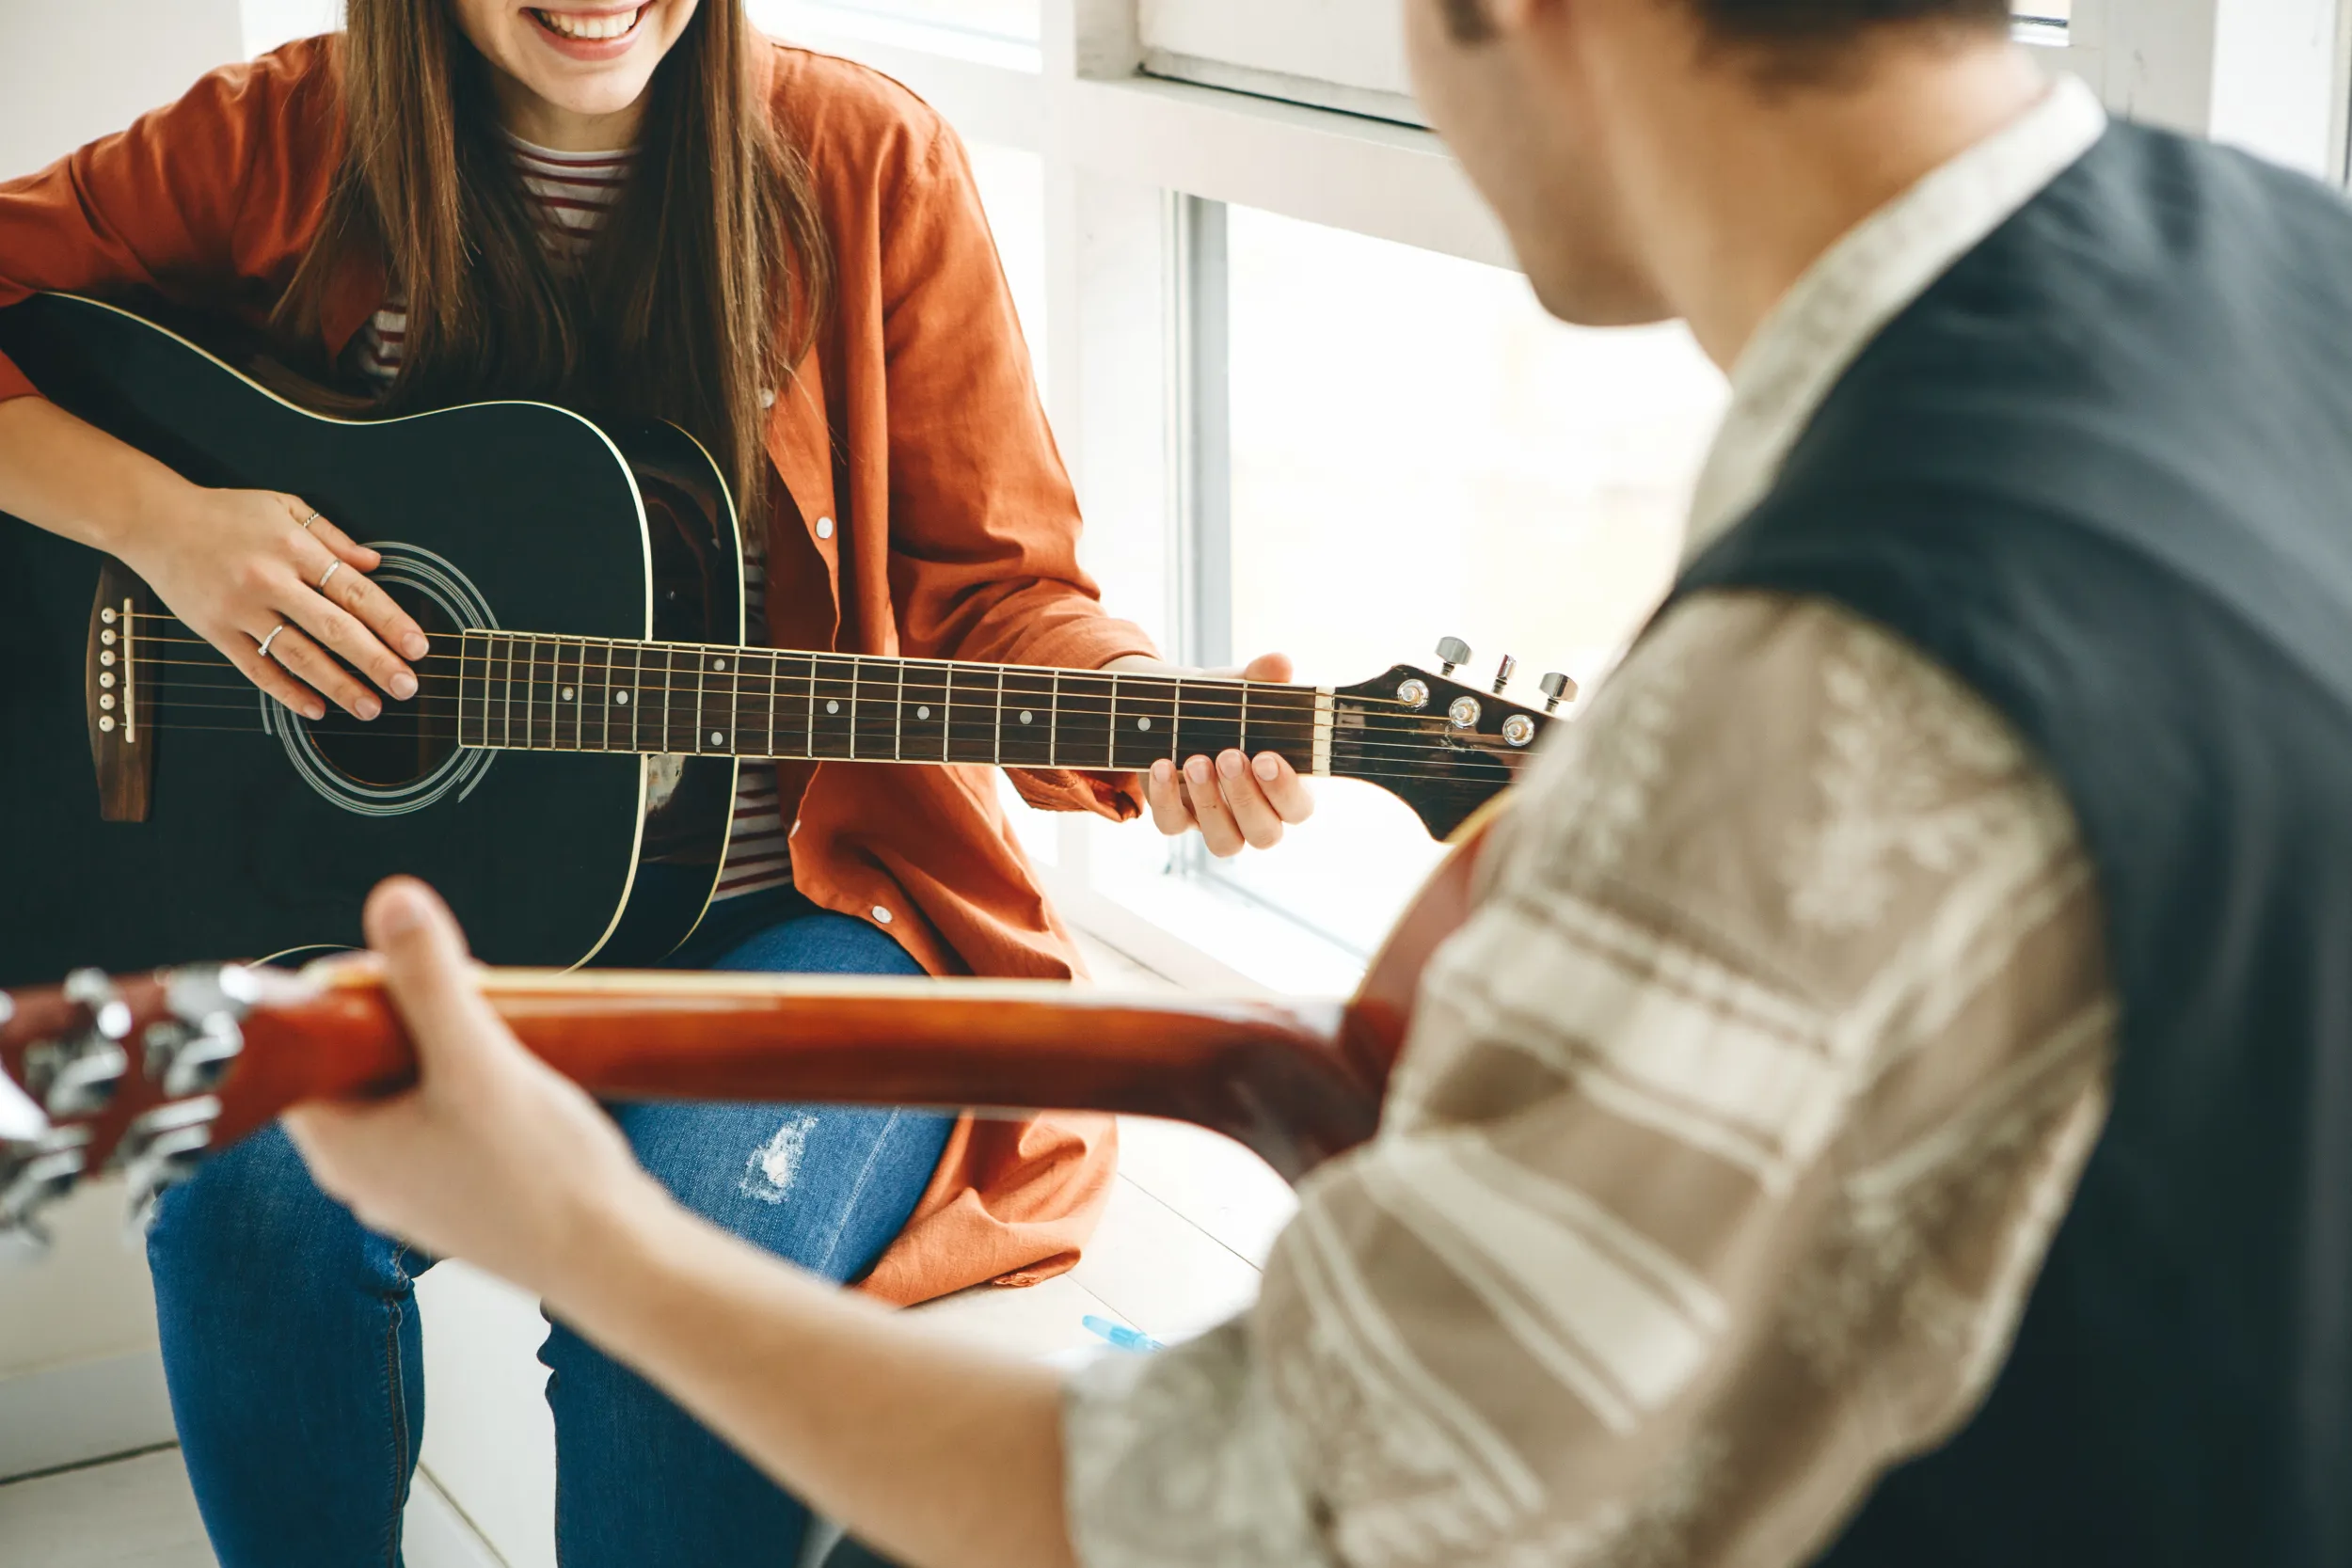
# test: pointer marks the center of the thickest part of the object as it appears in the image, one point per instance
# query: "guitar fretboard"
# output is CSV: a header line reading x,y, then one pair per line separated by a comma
x,y
529,692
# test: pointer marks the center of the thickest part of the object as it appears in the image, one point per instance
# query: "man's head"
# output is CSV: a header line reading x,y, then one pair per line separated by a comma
x,y
1581,120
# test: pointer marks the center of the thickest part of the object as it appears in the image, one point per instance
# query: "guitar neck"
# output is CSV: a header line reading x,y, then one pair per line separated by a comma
x,y
530,691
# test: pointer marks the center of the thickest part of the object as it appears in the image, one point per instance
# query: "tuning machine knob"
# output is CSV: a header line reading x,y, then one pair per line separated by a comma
x,y
191,1052
1450,652
1557,688
1504,672
161,1149
35,1173
77,1076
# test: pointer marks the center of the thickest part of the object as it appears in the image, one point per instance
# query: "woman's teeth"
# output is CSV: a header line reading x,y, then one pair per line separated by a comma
x,y
591,29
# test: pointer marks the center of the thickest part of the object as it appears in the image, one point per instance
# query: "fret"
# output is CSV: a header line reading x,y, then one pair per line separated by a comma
x,y
1209,719
976,713
925,692
833,706
503,647
541,740
1283,719
1082,720
725,670
567,713
775,698
669,678
1110,747
464,667
1024,729
635,693
1144,723
874,714
596,694
898,717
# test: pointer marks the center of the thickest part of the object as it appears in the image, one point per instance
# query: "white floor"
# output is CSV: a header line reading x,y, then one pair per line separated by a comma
x,y
1189,1227
138,1512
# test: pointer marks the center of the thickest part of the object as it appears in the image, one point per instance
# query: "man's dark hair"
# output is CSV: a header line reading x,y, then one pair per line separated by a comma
x,y
1809,22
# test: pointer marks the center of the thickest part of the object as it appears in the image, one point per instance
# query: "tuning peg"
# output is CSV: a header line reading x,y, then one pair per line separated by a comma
x,y
191,1053
76,1077
1452,651
1503,673
1557,687
161,1149
34,1174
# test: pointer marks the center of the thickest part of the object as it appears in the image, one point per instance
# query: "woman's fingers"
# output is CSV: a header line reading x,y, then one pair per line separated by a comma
x,y
271,676
1209,809
1163,793
391,624
1254,815
332,538
306,660
316,611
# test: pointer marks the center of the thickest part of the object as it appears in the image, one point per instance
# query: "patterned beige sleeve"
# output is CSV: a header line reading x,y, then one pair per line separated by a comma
x,y
1730,1135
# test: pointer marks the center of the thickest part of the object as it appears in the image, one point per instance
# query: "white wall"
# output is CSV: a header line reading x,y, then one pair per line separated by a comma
x,y
71,71
77,1334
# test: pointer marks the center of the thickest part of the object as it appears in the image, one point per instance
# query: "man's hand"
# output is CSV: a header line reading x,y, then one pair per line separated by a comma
x,y
1233,800
494,1157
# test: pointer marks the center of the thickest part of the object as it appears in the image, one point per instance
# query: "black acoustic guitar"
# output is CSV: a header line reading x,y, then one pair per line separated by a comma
x,y
565,774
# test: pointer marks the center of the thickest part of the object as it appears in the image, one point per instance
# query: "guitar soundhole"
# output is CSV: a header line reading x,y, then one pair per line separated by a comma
x,y
408,757
410,740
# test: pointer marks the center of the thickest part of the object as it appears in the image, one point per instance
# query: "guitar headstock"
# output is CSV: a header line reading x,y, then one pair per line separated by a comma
x,y
1442,746
103,1074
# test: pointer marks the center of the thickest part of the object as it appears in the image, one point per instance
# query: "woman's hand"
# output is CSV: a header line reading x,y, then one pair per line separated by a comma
x,y
494,1157
236,565
1232,799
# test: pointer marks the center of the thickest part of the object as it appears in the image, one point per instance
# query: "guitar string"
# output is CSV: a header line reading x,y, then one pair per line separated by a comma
x,y
447,718
670,650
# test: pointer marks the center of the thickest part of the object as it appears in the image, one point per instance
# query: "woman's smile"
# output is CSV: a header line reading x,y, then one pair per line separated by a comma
x,y
589,34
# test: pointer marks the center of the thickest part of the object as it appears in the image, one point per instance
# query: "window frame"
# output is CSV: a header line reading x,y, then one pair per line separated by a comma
x,y
1135,168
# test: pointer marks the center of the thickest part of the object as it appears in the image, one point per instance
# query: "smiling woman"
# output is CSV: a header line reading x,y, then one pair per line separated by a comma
x,y
653,211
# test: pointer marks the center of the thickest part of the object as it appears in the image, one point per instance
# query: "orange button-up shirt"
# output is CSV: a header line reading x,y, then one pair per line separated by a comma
x,y
929,515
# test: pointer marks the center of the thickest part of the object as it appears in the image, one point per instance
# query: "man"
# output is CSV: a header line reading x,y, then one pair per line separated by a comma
x,y
1960,852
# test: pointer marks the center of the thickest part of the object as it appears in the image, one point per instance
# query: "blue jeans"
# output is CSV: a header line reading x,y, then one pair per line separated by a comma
x,y
294,1358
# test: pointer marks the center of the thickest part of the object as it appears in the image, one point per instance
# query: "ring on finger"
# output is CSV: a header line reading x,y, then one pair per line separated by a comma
x,y
311,518
265,642
325,576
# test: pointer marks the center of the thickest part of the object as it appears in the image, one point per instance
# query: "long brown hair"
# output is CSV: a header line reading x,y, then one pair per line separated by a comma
x,y
705,287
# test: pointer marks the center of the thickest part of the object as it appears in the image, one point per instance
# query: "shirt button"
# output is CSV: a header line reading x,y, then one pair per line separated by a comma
x,y
824,527
882,914
767,397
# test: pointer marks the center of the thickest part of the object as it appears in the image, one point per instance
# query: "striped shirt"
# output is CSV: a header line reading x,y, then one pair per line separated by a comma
x,y
571,192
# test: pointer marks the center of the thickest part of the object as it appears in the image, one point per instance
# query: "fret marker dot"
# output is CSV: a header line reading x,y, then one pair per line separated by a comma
x,y
1143,723
922,713
567,694
717,739
1024,715
833,707
621,697
718,664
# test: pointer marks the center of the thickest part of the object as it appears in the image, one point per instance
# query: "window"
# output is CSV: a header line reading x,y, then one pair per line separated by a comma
x,y
1340,53
1017,21
1417,450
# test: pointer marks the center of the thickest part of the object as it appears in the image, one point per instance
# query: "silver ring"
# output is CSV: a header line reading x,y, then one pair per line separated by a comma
x,y
330,572
311,518
271,638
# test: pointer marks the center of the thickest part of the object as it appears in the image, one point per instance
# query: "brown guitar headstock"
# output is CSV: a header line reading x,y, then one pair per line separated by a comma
x,y
104,1074
1442,746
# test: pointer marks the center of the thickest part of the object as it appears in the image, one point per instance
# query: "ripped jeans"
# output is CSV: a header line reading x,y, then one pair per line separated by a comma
x,y
296,1361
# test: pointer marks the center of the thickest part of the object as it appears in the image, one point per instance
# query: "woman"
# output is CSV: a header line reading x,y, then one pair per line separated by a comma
x,y
646,208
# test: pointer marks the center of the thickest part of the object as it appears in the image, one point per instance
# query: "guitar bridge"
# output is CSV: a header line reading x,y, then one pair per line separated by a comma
x,y
120,685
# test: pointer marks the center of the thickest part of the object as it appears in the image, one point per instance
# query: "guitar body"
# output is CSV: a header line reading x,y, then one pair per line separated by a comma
x,y
262,835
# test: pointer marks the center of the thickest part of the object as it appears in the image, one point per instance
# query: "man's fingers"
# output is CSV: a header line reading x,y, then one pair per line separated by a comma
x,y
1163,793
426,970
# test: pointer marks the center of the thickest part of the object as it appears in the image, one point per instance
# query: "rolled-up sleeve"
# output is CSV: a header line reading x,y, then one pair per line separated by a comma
x,y
1727,1139
195,201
